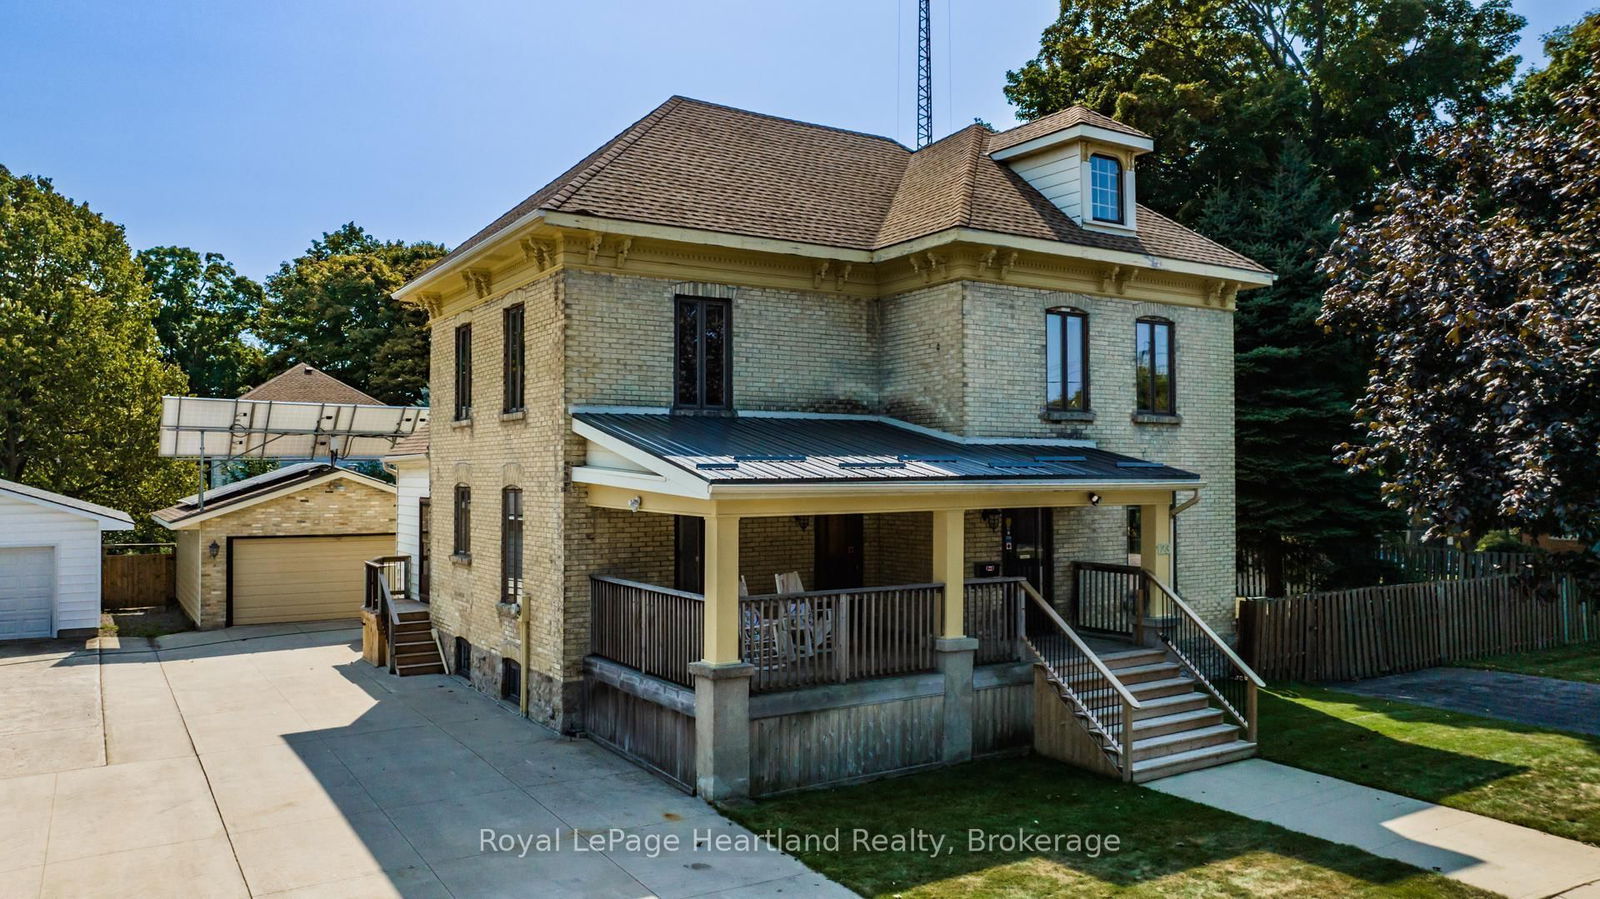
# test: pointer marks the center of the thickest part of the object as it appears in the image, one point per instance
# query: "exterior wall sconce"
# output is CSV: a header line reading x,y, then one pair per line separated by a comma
x,y
802,522
991,517
214,549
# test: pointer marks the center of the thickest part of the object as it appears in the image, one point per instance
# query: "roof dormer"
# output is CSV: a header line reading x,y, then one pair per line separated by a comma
x,y
1081,161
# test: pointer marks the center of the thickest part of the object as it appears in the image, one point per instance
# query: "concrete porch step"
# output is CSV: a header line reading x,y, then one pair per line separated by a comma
x,y
1192,760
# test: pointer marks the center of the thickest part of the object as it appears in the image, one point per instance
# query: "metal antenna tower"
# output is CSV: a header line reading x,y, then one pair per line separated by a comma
x,y
924,75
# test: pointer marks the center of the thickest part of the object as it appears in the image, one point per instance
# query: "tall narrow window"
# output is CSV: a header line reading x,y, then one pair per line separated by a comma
x,y
462,522
704,365
1156,387
1105,189
1066,360
689,553
512,365
463,372
511,545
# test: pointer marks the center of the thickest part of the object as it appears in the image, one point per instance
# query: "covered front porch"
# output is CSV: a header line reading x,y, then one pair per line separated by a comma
x,y
883,668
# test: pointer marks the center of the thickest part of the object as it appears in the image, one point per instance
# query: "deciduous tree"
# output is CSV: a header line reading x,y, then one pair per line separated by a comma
x,y
81,373
205,314
331,307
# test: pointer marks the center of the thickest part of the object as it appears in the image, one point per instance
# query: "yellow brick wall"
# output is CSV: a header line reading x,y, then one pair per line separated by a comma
x,y
357,509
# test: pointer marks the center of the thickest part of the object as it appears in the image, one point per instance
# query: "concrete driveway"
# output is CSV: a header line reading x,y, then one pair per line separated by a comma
x,y
271,760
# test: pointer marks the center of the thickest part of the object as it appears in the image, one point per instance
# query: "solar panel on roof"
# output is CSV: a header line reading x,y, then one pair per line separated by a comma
x,y
717,466
1060,458
926,457
1134,463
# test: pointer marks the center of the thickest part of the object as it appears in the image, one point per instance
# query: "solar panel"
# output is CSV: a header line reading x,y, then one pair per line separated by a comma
x,y
199,427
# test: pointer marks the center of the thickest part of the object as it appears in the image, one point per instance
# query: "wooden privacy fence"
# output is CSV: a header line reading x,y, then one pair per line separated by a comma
x,y
1437,563
137,575
1372,631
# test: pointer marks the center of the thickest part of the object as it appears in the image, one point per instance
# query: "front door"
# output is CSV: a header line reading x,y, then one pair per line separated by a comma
x,y
1026,538
838,559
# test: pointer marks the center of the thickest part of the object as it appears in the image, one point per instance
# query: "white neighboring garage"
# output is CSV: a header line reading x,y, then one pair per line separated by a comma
x,y
50,562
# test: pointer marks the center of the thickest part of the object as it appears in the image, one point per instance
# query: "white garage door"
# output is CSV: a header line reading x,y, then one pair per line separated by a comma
x,y
27,590
301,578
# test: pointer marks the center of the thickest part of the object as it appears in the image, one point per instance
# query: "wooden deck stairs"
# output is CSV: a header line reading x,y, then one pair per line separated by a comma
x,y
1178,729
413,646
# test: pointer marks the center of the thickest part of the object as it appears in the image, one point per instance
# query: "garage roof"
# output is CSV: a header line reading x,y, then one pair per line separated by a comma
x,y
248,492
109,519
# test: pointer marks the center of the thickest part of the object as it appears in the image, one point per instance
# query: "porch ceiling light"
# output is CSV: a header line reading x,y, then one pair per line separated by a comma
x,y
635,503
1094,499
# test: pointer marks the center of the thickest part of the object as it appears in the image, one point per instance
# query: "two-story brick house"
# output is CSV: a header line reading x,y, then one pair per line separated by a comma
x,y
726,347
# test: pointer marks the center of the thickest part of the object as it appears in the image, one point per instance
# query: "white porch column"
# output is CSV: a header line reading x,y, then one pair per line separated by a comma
x,y
950,568
1155,549
722,678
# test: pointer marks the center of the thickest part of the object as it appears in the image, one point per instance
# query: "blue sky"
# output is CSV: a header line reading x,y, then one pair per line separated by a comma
x,y
249,129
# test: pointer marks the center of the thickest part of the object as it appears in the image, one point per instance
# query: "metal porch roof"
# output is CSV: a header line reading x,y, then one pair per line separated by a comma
x,y
751,449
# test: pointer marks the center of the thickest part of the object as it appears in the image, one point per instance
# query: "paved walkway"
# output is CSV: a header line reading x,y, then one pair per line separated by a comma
x,y
1525,699
1484,852
270,760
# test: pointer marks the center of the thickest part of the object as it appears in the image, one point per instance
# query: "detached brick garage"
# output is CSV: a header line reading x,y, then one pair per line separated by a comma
x,y
283,546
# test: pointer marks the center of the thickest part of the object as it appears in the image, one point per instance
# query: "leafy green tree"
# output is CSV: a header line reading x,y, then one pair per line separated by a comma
x,y
1481,290
1571,52
80,396
331,308
1270,117
205,312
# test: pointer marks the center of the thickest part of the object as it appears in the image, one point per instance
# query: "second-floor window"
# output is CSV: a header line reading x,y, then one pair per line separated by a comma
x,y
1105,189
463,372
703,367
462,521
512,365
1155,390
1066,360
511,545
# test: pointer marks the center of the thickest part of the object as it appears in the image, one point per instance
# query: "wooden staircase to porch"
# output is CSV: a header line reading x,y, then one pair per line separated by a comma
x,y
412,645
1177,729
1170,696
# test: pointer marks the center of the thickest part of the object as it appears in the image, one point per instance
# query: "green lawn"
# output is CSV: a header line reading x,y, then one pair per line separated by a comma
x,y
1580,662
1167,846
1547,780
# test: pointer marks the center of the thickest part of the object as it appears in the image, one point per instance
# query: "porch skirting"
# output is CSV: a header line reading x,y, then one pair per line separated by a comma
x,y
817,737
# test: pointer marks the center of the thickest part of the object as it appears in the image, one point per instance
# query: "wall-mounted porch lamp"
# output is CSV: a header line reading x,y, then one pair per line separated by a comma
x,y
214,549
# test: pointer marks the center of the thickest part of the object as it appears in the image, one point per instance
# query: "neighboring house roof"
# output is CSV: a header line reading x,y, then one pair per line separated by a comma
x,y
302,383
818,448
108,518
248,492
701,165
414,445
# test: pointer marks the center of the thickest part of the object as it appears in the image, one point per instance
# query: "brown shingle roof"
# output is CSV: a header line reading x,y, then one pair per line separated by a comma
x,y
700,165
414,445
1055,121
304,384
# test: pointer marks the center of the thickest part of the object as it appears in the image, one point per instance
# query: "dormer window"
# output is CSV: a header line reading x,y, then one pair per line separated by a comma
x,y
1105,189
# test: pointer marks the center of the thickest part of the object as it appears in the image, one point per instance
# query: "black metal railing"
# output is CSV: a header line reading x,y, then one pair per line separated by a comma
x,y
1106,599
1100,701
1204,655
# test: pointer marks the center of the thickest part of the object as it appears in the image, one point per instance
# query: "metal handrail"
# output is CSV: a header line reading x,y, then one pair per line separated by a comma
x,y
1094,659
1211,635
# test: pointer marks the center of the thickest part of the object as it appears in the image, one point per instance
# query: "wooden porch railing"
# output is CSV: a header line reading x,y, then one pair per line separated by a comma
x,y
1207,658
380,597
656,630
996,614
833,636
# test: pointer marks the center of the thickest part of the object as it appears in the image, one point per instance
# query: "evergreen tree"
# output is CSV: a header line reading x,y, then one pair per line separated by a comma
x,y
1269,118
